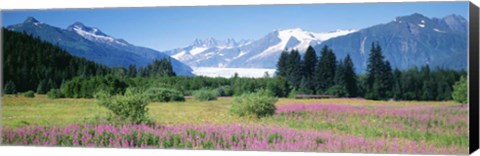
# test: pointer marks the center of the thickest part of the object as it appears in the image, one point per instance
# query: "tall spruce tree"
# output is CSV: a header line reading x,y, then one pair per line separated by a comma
x,y
282,64
374,63
294,68
325,70
309,65
350,77
386,80
309,62
379,79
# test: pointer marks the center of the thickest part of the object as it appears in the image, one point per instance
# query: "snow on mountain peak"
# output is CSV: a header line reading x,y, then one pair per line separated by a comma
x,y
307,36
300,39
211,42
94,34
222,53
77,26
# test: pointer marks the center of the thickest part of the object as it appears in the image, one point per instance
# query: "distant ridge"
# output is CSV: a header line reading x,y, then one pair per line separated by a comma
x,y
407,41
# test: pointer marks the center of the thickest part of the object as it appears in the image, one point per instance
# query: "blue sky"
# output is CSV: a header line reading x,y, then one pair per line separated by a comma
x,y
164,28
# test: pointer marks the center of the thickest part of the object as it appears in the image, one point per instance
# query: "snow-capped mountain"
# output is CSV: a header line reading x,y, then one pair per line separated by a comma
x,y
407,41
91,43
261,53
94,34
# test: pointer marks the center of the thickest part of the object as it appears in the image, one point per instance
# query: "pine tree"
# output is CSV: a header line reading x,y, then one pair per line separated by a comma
x,y
386,80
374,64
325,70
309,65
309,62
282,64
350,77
379,79
294,70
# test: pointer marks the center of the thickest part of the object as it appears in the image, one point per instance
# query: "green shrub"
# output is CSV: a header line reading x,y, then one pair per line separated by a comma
x,y
259,104
460,91
55,93
163,95
130,108
29,94
205,95
279,86
225,91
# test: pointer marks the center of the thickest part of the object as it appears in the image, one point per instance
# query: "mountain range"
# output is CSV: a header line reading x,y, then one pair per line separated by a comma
x,y
91,43
261,53
407,41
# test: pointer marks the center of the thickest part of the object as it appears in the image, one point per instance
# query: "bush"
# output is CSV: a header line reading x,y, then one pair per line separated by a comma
x,y
55,93
29,94
460,90
205,95
163,95
225,91
130,108
279,86
259,104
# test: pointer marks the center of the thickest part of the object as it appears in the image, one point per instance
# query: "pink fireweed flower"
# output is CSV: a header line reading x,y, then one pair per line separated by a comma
x,y
222,137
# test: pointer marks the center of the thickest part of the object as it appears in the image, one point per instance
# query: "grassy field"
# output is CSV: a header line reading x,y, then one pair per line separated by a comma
x,y
439,125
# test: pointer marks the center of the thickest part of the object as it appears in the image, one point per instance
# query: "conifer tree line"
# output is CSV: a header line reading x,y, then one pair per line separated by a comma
x,y
325,74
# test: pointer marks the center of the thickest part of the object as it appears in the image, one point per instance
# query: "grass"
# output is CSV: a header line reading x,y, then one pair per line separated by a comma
x,y
20,111
194,112
363,102
441,124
